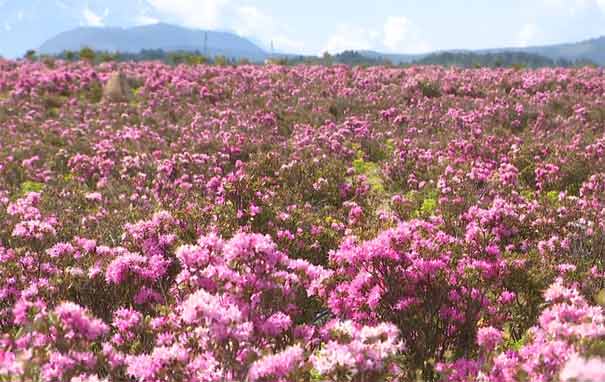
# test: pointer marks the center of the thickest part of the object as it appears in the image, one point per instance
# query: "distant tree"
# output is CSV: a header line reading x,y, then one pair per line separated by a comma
x,y
327,58
147,55
195,59
87,54
490,60
355,58
177,58
119,57
49,61
243,61
107,57
221,61
31,55
283,61
519,66
70,55
172,57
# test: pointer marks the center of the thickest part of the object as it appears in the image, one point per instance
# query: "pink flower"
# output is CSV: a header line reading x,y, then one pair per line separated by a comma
x,y
488,338
94,196
77,321
9,365
254,209
276,324
277,366
579,369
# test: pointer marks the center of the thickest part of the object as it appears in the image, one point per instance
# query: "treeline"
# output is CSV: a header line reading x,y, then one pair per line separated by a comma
x,y
497,60
349,57
448,59
172,57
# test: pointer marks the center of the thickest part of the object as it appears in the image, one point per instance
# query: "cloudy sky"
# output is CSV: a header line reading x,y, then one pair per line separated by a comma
x,y
315,26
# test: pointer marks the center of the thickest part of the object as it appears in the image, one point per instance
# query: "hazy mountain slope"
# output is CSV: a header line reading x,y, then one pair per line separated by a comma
x,y
592,50
395,58
25,24
156,36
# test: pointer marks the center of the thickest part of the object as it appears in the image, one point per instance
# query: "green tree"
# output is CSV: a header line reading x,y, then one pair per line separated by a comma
x,y
221,61
177,58
87,54
70,55
195,59
30,55
107,57
327,58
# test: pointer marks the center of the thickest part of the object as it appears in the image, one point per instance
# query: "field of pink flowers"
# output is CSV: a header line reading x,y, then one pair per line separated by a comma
x,y
270,223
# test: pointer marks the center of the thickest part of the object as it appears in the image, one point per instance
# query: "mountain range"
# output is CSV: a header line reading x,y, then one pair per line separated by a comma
x,y
591,50
28,24
25,24
157,36
172,38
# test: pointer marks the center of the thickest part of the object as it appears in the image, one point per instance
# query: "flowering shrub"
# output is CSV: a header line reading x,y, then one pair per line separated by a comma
x,y
272,223
357,353
566,344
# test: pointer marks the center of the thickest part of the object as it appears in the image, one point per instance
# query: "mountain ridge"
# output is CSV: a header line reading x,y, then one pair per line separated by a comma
x,y
592,49
163,36
170,37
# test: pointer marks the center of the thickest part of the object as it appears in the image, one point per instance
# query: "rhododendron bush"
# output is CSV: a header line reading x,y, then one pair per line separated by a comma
x,y
306,223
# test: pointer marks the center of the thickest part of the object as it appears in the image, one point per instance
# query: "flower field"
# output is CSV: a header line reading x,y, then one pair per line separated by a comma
x,y
307,223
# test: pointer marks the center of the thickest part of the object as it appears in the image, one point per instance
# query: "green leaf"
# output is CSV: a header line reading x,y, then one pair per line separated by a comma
x,y
359,165
527,194
29,186
553,196
429,205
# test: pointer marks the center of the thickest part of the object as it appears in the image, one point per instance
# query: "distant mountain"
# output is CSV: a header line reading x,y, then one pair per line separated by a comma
x,y
592,50
504,59
25,24
169,37
157,36
395,58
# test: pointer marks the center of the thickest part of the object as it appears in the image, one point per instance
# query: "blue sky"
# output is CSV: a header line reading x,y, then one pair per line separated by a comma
x,y
315,26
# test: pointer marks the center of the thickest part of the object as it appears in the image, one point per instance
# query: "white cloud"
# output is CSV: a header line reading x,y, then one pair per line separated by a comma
x,y
91,18
245,20
252,22
349,37
285,44
398,35
143,19
193,13
565,3
574,6
528,35
7,27
401,36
